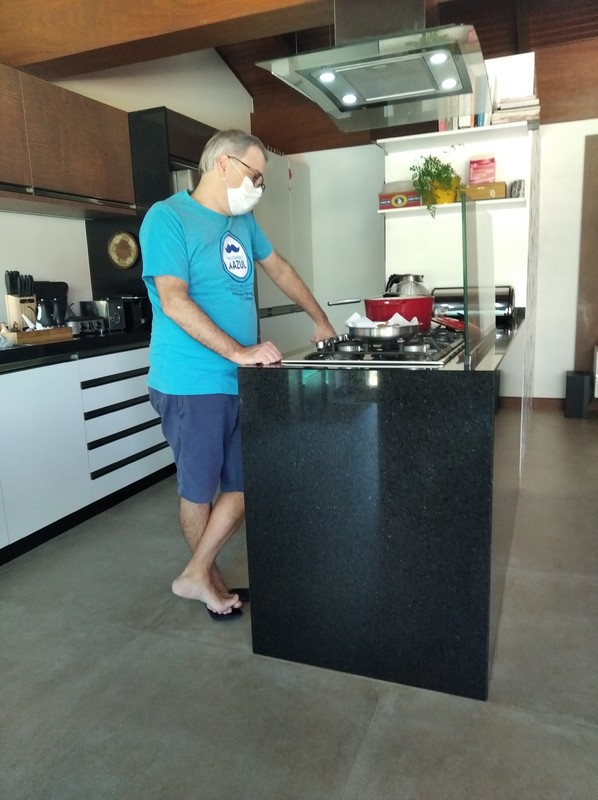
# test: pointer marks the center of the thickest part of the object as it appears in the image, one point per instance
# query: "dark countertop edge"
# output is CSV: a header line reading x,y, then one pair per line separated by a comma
x,y
36,355
505,336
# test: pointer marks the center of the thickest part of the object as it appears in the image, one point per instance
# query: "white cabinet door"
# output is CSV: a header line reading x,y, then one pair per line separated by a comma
x,y
44,468
284,214
273,215
124,436
346,230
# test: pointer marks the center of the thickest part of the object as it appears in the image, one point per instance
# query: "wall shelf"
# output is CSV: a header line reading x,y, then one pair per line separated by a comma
x,y
444,208
487,133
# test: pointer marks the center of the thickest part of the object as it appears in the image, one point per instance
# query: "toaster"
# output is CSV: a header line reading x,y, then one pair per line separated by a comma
x,y
86,325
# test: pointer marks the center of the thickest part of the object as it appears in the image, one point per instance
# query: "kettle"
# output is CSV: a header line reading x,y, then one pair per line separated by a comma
x,y
405,286
44,313
57,314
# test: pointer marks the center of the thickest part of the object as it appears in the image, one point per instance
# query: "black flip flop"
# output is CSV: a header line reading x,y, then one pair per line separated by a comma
x,y
234,614
243,594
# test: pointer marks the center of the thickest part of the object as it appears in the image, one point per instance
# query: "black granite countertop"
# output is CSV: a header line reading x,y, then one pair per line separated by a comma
x,y
25,355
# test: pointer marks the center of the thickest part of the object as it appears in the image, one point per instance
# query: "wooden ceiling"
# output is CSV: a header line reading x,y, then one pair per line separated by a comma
x,y
54,39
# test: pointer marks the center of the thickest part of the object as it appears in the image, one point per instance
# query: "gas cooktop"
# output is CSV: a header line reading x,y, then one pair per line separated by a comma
x,y
432,349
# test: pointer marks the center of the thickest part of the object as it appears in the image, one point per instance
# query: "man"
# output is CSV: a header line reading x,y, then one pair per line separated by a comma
x,y
199,250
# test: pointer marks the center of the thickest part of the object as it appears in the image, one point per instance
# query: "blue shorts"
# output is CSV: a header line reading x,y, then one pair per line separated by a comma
x,y
203,432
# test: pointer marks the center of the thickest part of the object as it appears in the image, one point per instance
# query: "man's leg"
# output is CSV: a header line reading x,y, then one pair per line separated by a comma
x,y
193,519
206,532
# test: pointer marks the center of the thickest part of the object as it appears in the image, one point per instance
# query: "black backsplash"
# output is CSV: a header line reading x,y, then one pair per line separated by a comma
x,y
106,279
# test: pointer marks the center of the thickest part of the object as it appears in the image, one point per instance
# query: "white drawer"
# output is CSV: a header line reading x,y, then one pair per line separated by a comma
x,y
102,366
123,448
108,394
120,478
118,421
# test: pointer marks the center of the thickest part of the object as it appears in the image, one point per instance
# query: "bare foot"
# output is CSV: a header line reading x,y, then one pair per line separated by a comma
x,y
221,587
193,588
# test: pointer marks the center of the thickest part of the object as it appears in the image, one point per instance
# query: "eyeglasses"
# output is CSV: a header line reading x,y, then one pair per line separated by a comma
x,y
256,177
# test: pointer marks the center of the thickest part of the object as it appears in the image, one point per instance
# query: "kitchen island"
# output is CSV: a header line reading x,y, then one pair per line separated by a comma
x,y
380,509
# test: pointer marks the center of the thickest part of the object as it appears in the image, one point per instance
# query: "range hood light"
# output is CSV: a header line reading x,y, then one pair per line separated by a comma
x,y
349,99
438,58
449,83
326,77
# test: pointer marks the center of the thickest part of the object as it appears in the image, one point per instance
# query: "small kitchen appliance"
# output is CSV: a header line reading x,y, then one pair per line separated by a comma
x,y
450,302
84,326
137,313
405,286
111,310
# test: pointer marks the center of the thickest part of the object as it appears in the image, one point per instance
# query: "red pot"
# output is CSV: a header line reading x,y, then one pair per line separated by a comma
x,y
381,309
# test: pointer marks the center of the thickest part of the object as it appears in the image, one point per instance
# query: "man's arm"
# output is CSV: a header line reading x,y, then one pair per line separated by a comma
x,y
180,308
286,278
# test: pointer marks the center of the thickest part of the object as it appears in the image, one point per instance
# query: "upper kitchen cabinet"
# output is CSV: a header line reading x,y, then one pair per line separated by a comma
x,y
162,143
14,159
79,148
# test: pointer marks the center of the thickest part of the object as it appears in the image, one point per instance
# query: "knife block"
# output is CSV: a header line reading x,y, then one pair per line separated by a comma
x,y
15,306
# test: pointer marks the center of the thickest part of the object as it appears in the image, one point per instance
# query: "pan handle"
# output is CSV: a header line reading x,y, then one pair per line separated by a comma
x,y
344,302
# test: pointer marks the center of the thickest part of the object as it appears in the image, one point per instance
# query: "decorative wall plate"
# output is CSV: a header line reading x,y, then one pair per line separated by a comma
x,y
123,250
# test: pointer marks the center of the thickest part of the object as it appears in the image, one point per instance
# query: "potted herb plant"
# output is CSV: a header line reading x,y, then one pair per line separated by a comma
x,y
436,181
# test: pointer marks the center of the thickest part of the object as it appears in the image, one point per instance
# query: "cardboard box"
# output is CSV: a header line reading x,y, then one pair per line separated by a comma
x,y
486,191
482,169
399,194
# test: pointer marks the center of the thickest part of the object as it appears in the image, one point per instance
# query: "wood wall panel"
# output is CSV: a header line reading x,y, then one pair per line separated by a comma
x,y
77,145
299,128
587,298
14,157
567,81
46,39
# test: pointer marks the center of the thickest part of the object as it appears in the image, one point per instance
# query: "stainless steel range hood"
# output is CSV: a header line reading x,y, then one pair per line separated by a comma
x,y
393,80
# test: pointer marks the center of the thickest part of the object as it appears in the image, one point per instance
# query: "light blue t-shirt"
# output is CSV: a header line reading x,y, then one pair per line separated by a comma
x,y
214,254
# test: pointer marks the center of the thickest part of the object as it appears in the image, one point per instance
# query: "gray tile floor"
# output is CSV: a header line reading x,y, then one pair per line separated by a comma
x,y
111,687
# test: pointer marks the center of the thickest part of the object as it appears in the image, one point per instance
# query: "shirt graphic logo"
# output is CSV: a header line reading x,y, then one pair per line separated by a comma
x,y
234,259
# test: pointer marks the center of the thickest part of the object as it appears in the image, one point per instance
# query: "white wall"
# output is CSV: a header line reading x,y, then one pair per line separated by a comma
x,y
49,248
198,85
561,184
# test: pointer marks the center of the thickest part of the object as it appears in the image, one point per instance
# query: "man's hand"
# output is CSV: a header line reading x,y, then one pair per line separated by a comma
x,y
324,330
262,353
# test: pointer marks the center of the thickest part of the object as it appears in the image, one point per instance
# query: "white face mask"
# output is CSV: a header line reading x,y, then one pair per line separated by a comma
x,y
243,198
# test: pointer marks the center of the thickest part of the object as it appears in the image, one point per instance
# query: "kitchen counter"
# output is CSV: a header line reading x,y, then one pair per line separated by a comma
x,y
380,509
30,355
84,401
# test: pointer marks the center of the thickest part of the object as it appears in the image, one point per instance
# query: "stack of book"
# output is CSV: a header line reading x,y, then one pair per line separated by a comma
x,y
515,109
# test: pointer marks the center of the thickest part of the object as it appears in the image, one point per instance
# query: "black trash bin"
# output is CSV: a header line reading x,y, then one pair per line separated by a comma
x,y
577,394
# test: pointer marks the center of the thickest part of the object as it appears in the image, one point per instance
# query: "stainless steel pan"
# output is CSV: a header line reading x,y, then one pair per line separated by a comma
x,y
383,333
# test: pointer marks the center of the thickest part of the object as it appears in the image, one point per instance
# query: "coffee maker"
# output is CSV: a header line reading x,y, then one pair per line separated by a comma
x,y
137,313
111,310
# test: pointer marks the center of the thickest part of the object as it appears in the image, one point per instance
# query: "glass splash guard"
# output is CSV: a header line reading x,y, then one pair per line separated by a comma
x,y
478,281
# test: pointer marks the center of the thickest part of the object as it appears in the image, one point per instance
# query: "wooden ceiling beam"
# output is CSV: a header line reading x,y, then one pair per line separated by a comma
x,y
60,38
